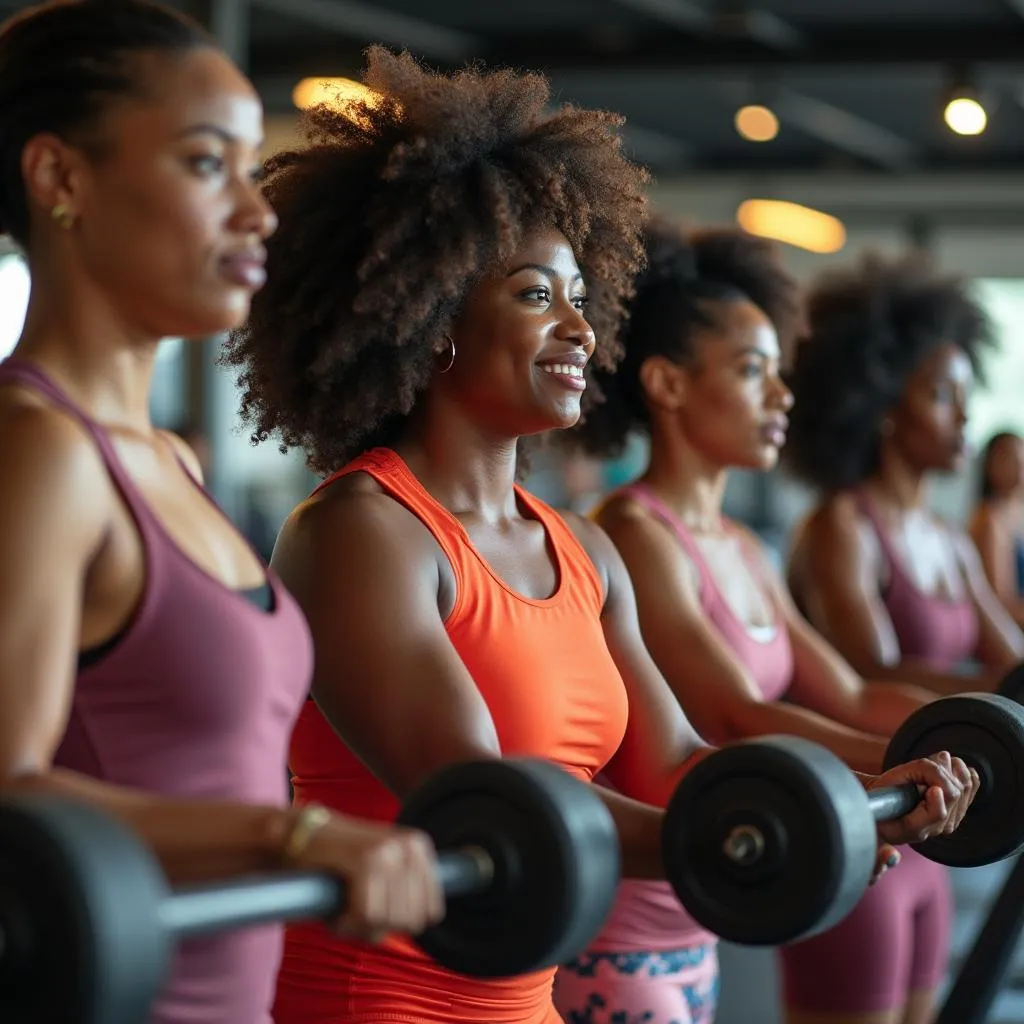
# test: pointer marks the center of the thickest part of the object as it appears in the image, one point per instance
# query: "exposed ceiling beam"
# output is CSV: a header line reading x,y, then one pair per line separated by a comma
x,y
843,130
894,43
655,148
742,22
372,23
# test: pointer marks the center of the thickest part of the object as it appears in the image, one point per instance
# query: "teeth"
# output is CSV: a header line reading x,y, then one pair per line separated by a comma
x,y
566,369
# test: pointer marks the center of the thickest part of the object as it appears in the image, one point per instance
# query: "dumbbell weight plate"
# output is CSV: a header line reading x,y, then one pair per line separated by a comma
x,y
556,855
987,731
819,841
1012,685
74,945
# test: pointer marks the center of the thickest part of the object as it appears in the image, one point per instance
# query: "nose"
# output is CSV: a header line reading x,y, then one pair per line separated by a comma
x,y
783,395
573,326
254,215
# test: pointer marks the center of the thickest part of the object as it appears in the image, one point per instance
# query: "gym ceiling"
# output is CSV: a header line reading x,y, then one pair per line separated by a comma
x,y
857,85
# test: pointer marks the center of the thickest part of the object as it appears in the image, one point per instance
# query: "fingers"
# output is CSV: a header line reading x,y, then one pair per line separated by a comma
x,y
888,857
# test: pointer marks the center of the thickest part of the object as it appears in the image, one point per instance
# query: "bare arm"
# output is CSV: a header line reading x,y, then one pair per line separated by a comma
x,y
841,570
717,691
45,558
997,561
1000,640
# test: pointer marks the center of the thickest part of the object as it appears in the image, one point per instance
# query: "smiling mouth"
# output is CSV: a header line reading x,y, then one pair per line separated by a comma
x,y
566,374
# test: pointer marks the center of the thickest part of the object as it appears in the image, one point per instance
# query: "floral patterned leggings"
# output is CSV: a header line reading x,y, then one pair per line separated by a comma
x,y
678,986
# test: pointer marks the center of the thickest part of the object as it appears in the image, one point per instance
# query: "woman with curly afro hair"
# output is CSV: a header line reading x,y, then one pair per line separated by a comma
x,y
436,253
881,384
710,328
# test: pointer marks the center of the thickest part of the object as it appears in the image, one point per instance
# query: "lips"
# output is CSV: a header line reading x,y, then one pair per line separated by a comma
x,y
774,432
246,268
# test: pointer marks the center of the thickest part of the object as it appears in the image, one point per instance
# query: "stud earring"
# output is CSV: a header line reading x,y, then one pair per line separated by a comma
x,y
62,216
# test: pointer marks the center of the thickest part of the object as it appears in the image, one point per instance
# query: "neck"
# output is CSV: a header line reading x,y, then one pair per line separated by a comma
x,y
691,485
466,470
104,366
897,482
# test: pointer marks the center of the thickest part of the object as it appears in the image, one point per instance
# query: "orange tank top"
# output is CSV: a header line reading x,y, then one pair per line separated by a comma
x,y
553,691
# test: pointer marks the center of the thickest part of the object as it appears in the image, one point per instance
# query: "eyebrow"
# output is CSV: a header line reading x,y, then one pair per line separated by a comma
x,y
753,350
213,129
549,271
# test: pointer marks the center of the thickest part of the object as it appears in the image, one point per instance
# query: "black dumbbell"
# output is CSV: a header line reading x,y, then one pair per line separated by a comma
x,y
774,840
528,855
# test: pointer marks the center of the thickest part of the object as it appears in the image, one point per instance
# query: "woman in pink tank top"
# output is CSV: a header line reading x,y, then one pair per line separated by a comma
x,y
710,326
150,664
882,384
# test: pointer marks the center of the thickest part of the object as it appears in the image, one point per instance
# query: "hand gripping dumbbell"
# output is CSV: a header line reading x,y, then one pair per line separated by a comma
x,y
773,840
528,858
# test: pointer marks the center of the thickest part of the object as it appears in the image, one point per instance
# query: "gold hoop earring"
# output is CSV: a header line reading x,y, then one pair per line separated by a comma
x,y
62,217
451,362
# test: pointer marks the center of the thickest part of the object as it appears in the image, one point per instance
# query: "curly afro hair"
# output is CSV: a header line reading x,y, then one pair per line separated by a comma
x,y
390,214
687,277
869,329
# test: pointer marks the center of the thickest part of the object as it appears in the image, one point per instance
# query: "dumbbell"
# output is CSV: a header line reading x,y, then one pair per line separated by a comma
x,y
528,858
773,840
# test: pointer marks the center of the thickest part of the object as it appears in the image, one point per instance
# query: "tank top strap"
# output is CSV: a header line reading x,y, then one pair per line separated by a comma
x,y
643,495
388,468
867,508
21,372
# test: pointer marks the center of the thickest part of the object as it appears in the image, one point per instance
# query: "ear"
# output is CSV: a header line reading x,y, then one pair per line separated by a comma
x,y
664,382
55,175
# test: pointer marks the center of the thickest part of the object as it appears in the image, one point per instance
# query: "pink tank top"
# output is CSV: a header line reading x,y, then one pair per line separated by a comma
x,y
647,916
938,630
196,698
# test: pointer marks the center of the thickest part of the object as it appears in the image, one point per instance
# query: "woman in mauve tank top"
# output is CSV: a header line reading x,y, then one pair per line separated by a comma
x,y
882,383
149,663
427,306
710,327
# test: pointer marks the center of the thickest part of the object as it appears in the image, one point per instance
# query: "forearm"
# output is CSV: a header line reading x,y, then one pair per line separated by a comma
x,y
639,816
884,706
861,751
193,840
940,683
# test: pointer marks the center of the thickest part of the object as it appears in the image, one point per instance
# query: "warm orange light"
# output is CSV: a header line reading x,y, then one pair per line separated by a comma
x,y
756,123
792,223
334,92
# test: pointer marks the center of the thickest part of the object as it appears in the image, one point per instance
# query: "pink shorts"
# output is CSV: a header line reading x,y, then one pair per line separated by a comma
x,y
677,986
895,942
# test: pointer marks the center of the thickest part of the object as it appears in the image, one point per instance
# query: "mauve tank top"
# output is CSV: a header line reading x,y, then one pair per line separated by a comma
x,y
940,631
647,916
196,699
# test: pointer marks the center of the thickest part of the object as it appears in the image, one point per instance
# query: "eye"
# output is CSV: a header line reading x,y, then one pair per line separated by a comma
x,y
539,294
258,174
206,164
753,368
581,302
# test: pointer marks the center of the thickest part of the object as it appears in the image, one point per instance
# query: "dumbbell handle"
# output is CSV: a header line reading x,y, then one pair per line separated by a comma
x,y
298,896
745,844
893,802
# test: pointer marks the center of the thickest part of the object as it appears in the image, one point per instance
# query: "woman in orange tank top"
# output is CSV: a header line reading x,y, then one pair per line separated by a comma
x,y
424,311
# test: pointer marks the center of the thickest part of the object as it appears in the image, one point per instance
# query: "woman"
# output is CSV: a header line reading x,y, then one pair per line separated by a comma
x,y
881,387
424,311
995,526
149,663
711,323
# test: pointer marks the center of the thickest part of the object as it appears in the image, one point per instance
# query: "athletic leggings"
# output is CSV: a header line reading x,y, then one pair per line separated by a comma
x,y
678,986
895,942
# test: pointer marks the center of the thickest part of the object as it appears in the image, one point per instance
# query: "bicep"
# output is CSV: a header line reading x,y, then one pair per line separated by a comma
x,y
386,675
44,557
712,686
848,607
659,738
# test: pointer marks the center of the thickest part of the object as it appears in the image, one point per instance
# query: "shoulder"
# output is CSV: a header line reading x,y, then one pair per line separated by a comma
x,y
51,464
354,521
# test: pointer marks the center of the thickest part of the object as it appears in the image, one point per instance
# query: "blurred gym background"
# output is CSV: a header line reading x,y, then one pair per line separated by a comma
x,y
831,125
